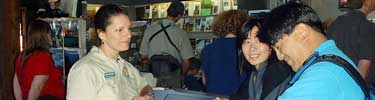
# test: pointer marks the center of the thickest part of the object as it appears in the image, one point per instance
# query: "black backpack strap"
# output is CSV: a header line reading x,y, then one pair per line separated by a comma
x,y
166,33
348,68
162,29
169,39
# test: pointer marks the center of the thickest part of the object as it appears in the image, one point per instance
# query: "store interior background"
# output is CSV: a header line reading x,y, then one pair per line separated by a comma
x,y
12,24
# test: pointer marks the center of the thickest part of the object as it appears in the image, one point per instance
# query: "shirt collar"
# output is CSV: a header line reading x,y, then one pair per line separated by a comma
x,y
98,52
167,22
325,45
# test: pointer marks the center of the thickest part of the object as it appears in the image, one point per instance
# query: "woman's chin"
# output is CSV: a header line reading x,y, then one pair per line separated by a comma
x,y
123,49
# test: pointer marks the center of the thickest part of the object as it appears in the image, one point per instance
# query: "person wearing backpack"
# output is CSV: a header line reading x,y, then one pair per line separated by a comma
x,y
323,71
167,48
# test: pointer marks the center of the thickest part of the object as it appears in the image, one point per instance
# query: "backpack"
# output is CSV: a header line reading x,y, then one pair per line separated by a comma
x,y
163,64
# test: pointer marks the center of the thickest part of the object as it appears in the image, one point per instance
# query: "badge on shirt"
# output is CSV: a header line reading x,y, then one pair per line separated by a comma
x,y
109,75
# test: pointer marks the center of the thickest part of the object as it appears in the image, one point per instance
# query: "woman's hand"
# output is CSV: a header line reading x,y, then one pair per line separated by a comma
x,y
147,90
145,97
219,98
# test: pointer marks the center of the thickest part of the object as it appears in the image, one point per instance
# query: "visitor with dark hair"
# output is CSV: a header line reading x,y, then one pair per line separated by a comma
x,y
354,35
164,39
102,74
267,77
36,75
220,60
191,81
323,72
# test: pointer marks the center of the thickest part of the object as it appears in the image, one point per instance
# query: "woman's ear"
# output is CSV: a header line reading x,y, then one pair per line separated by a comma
x,y
101,34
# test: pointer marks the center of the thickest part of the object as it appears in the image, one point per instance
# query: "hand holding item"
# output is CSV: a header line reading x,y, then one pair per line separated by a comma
x,y
219,98
145,97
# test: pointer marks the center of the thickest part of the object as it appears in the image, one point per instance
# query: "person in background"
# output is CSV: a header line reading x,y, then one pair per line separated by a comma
x,y
354,35
267,77
192,82
220,59
181,48
297,35
36,75
102,74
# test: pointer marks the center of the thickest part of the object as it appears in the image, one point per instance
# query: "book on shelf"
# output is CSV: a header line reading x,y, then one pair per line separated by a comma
x,y
190,6
235,4
208,24
148,11
197,9
154,11
203,24
227,5
197,25
188,24
216,7
205,7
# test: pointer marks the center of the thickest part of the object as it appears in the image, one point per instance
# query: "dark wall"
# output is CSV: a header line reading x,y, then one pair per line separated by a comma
x,y
9,46
1,31
252,4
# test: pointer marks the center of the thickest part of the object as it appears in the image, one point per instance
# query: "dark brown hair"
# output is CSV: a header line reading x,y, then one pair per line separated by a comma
x,y
37,37
103,16
229,22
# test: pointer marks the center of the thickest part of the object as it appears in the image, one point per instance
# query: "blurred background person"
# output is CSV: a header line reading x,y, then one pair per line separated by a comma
x,y
220,59
354,34
36,75
169,43
192,81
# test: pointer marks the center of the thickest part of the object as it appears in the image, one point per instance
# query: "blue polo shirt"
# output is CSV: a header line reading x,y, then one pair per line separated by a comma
x,y
324,80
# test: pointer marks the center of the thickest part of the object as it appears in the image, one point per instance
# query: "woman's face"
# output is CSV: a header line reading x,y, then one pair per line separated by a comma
x,y
254,51
117,35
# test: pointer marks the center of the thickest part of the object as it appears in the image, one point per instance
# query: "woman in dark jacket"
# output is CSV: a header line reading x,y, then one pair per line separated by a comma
x,y
268,77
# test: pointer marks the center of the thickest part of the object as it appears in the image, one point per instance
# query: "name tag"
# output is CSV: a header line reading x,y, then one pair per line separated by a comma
x,y
109,75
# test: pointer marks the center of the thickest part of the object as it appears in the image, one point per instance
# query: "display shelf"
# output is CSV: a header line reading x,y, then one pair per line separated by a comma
x,y
69,41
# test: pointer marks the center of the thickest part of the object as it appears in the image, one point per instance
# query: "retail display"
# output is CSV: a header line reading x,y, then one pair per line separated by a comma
x,y
68,41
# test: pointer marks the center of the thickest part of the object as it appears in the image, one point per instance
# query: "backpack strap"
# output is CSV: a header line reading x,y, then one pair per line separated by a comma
x,y
169,39
163,28
348,68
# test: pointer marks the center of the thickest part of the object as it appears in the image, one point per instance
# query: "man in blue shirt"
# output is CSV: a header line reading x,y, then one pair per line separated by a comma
x,y
296,33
